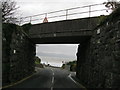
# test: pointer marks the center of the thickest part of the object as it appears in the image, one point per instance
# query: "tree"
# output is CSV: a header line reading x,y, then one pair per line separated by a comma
x,y
37,60
8,11
63,66
112,4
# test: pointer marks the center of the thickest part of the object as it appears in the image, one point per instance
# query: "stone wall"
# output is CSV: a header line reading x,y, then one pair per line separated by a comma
x,y
6,40
99,58
19,63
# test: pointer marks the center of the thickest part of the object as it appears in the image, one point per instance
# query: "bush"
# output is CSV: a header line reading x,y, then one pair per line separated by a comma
x,y
73,67
37,60
63,66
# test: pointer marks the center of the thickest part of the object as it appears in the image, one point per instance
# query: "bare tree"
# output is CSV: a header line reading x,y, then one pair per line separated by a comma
x,y
8,11
112,4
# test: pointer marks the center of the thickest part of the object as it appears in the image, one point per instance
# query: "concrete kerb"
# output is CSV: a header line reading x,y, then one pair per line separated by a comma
x,y
12,84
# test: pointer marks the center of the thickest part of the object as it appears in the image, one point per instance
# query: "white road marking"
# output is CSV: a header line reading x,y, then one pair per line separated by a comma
x,y
51,88
72,78
53,79
51,70
53,74
75,81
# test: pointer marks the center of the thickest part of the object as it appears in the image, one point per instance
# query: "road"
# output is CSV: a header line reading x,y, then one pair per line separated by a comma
x,y
49,78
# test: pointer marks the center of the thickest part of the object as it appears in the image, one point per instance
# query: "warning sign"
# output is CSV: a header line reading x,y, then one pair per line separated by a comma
x,y
45,20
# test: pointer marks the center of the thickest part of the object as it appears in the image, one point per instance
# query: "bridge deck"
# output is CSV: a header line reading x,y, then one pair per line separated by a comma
x,y
63,31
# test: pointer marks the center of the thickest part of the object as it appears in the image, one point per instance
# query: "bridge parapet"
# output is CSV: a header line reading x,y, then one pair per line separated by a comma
x,y
67,14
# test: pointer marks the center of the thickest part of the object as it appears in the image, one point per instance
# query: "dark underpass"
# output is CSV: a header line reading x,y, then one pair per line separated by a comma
x,y
97,57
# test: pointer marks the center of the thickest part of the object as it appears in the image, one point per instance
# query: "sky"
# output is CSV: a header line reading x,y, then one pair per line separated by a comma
x,y
55,54
57,50
54,51
33,7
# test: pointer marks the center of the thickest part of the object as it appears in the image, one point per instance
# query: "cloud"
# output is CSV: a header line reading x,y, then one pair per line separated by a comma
x,y
32,7
57,50
55,55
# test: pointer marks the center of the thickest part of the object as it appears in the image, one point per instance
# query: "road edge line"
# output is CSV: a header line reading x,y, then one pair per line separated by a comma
x,y
51,88
12,84
76,82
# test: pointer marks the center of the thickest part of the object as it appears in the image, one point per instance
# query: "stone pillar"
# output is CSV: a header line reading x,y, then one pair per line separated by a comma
x,y
82,54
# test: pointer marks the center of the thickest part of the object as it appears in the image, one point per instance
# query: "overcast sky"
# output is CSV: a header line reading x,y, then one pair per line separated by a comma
x,y
54,54
57,50
33,7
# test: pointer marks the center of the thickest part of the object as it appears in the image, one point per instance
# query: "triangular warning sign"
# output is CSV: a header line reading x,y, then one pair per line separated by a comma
x,y
45,20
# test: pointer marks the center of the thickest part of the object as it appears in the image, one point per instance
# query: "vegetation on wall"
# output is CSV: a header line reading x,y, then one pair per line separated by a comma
x,y
26,27
102,18
112,17
112,4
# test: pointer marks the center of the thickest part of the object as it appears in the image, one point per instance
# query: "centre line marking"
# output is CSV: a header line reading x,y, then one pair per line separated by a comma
x,y
52,79
51,88
51,70
53,73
